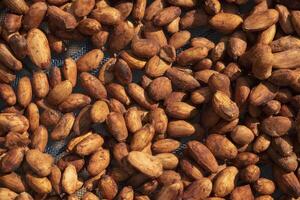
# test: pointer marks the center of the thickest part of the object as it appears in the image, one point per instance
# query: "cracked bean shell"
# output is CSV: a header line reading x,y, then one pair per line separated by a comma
x,y
224,106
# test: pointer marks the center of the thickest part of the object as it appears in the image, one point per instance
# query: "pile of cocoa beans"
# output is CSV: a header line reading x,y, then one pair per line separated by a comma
x,y
202,122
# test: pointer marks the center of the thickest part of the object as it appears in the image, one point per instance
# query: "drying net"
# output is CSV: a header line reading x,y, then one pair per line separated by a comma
x,y
77,49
